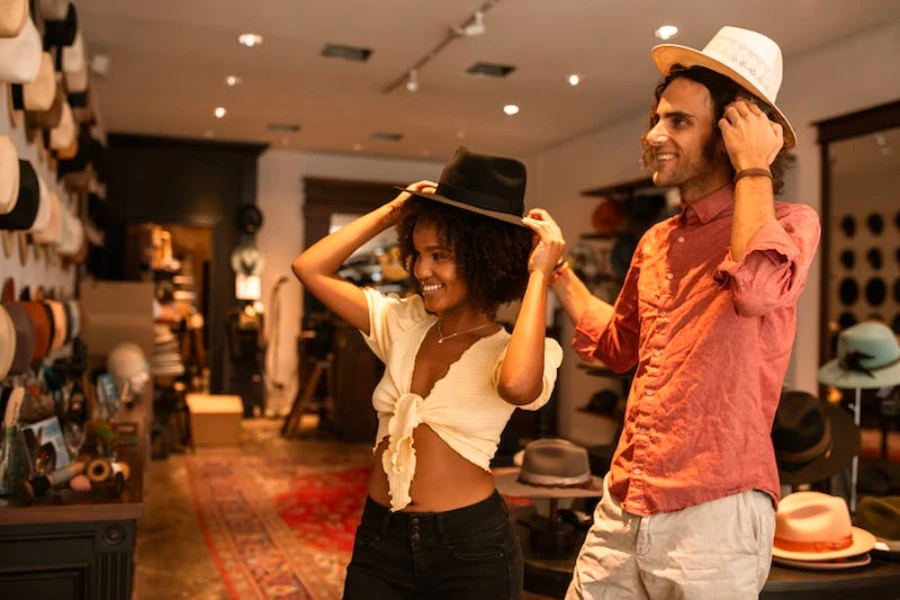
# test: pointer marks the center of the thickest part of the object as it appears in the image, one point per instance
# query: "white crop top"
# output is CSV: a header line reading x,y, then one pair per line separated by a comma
x,y
463,407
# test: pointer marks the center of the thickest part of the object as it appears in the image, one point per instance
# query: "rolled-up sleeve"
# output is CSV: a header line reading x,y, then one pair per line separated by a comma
x,y
774,268
611,333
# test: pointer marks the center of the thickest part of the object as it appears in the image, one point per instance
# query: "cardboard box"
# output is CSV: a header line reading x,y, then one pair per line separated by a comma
x,y
215,419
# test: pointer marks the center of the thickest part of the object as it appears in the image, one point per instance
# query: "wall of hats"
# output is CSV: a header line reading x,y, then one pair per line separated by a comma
x,y
51,158
864,260
50,149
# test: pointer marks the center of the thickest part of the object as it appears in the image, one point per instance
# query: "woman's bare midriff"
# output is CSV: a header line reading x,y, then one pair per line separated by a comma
x,y
443,481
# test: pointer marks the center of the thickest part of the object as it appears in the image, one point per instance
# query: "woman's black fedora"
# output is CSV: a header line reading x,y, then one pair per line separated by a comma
x,y
492,186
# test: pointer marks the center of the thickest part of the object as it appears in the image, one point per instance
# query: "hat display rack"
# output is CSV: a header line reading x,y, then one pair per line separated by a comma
x,y
51,172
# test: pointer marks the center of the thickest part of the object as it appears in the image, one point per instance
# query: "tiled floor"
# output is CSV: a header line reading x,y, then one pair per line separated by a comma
x,y
172,560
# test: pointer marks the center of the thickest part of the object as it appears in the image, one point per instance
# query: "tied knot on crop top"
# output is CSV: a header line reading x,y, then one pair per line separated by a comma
x,y
463,407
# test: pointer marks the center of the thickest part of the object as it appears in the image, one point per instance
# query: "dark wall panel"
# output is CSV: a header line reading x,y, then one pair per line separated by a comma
x,y
183,182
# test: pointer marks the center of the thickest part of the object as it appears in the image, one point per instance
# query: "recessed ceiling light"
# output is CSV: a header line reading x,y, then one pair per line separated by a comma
x,y
573,79
666,32
250,40
220,112
233,80
357,147
511,109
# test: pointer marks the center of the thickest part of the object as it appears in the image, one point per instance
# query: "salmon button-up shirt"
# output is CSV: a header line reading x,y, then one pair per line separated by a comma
x,y
711,338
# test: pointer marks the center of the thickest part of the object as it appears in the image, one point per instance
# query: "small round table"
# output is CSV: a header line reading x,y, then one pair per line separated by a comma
x,y
879,580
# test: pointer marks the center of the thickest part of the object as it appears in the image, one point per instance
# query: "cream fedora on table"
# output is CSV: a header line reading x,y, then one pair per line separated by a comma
x,y
13,15
812,526
868,358
748,58
20,57
9,175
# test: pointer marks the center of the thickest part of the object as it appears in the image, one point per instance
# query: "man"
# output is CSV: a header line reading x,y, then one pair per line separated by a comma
x,y
707,312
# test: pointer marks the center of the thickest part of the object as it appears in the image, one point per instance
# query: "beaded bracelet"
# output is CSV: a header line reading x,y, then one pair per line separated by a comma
x,y
753,173
558,271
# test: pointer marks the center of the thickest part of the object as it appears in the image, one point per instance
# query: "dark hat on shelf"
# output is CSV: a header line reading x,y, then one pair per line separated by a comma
x,y
813,439
22,216
874,258
875,223
491,186
848,258
848,292
881,517
847,319
25,337
61,32
876,291
848,225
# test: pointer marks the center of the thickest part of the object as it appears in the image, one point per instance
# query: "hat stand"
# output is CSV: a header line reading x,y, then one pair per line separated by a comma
x,y
854,466
550,536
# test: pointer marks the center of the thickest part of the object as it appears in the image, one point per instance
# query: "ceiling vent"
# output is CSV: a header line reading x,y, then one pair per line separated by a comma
x,y
483,69
384,136
346,52
283,127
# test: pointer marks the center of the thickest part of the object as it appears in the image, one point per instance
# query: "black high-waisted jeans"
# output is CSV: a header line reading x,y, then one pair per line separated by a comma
x,y
471,553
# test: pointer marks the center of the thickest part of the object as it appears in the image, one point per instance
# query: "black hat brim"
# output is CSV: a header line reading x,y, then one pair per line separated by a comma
x,y
846,444
494,214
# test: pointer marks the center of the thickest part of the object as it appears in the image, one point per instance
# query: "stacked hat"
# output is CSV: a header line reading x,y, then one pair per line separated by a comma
x,y
20,56
881,516
166,360
814,531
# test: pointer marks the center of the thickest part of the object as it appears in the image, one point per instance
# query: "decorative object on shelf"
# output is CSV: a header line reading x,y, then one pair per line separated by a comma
x,y
247,262
13,464
45,446
608,217
249,218
37,487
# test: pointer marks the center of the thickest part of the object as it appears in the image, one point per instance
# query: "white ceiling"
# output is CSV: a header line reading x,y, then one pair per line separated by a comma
x,y
169,59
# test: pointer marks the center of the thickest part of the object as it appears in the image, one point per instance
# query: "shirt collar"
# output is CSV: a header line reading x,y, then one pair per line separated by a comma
x,y
704,210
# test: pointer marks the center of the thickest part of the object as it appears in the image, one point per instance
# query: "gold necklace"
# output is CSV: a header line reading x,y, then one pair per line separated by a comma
x,y
442,337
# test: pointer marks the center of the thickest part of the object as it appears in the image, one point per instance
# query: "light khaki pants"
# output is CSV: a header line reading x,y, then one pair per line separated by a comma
x,y
718,549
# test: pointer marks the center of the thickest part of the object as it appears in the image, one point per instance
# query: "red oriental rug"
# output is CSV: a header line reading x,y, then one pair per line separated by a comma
x,y
283,527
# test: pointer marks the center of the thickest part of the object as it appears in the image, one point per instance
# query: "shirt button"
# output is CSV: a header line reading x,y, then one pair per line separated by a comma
x,y
636,471
663,313
649,393
680,239
670,276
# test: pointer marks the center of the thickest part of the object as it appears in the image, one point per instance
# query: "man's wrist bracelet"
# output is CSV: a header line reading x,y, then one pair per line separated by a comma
x,y
558,271
753,173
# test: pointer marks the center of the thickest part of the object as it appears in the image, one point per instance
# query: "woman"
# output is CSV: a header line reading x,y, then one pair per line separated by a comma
x,y
433,524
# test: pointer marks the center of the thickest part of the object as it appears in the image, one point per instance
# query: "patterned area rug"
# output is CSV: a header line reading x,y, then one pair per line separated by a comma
x,y
280,527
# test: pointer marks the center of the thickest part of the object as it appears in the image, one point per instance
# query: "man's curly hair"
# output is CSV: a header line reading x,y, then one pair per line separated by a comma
x,y
723,92
491,255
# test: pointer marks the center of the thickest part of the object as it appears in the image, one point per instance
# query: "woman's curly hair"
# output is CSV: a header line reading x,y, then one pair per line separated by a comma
x,y
491,255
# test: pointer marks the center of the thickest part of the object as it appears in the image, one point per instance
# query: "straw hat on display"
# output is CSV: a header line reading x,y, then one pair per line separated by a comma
x,y
23,212
812,527
21,56
9,175
748,58
13,15
37,95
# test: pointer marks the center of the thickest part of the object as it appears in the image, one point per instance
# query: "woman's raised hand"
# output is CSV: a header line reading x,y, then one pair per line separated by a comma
x,y
424,187
549,244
